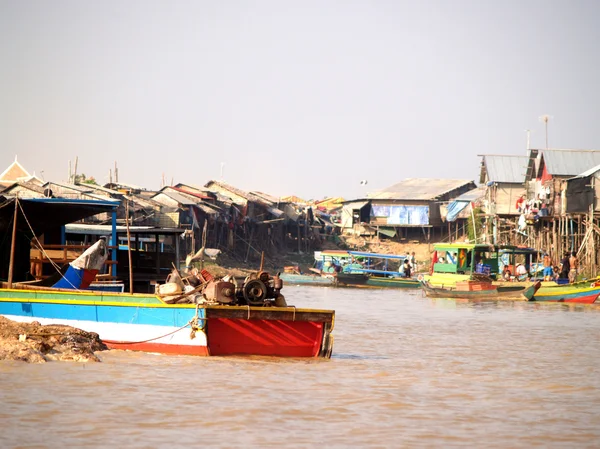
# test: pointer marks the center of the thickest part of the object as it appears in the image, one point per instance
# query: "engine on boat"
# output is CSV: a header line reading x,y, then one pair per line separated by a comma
x,y
258,289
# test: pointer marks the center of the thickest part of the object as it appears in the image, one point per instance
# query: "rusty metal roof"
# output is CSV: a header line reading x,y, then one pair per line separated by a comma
x,y
570,162
419,189
504,168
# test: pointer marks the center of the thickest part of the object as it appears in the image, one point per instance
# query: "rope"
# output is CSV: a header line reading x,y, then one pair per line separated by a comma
x,y
38,243
192,323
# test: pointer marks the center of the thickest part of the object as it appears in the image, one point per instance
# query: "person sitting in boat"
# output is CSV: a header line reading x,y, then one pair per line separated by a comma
x,y
406,267
452,257
506,274
521,272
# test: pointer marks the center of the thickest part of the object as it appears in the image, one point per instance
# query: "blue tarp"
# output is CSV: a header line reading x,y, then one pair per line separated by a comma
x,y
402,215
454,208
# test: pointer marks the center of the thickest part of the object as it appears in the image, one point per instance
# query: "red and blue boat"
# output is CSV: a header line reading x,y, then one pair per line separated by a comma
x,y
210,317
146,323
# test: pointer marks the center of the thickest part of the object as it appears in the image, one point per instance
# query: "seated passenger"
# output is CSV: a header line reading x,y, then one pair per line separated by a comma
x,y
521,271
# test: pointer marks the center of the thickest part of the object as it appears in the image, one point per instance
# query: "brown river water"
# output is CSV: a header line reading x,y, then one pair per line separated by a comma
x,y
406,371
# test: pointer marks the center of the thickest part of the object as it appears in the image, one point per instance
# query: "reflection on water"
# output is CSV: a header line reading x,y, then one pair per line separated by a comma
x,y
407,371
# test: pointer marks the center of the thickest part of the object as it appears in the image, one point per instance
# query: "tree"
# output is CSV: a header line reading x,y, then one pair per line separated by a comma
x,y
82,179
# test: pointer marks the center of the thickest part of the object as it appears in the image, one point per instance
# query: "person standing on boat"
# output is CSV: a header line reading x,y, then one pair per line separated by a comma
x,y
548,271
413,262
574,265
565,266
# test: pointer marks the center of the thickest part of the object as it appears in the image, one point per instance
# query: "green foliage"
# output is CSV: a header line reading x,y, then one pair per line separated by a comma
x,y
478,225
82,179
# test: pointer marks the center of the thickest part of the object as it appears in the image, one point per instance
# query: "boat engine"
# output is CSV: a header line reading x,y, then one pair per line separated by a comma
x,y
261,289
222,292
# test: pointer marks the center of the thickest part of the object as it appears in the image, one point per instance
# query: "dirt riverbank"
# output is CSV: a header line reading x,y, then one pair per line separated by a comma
x,y
35,343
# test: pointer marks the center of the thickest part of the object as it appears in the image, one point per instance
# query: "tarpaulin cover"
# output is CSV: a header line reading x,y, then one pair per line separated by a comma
x,y
402,215
454,208
580,194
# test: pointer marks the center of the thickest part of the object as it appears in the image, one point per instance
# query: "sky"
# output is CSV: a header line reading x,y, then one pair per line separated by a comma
x,y
305,98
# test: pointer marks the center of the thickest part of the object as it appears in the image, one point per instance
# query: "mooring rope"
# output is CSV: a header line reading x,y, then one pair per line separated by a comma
x,y
193,323
38,243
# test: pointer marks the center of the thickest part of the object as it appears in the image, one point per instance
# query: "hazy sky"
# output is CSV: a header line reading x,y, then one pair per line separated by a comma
x,y
305,98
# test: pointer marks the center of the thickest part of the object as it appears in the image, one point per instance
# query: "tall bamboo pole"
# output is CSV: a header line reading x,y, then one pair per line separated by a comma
x,y
12,245
129,246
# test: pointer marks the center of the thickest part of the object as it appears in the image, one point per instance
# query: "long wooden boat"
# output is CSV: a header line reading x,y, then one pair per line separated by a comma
x,y
367,280
365,269
583,292
146,323
202,316
308,279
489,291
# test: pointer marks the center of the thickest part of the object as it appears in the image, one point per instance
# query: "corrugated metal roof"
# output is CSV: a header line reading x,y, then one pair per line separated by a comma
x,y
589,172
505,168
570,162
179,197
419,189
472,195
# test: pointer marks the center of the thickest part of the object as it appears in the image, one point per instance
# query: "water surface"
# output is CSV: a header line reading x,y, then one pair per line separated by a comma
x,y
406,371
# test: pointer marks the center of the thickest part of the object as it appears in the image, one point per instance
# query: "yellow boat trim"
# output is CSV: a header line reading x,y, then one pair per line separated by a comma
x,y
99,303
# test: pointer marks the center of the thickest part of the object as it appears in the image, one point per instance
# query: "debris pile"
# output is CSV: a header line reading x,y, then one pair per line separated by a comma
x,y
34,343
258,289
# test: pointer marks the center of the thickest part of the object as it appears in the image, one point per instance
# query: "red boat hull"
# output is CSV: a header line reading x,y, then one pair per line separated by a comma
x,y
264,337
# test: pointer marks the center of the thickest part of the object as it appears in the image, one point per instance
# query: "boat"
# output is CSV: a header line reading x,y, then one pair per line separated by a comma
x,y
142,322
366,280
196,314
474,289
365,269
308,279
316,277
458,262
582,292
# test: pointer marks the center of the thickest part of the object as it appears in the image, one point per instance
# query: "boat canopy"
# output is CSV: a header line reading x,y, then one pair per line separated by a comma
x,y
467,246
518,250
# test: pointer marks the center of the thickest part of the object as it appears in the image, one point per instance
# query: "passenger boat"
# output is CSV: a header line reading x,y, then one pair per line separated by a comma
x,y
457,262
207,317
482,290
365,269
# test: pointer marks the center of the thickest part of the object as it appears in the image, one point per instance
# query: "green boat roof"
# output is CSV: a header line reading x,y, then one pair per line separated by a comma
x,y
469,246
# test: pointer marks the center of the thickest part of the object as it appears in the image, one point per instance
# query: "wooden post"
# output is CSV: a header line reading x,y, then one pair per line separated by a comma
x,y
249,244
129,247
12,245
